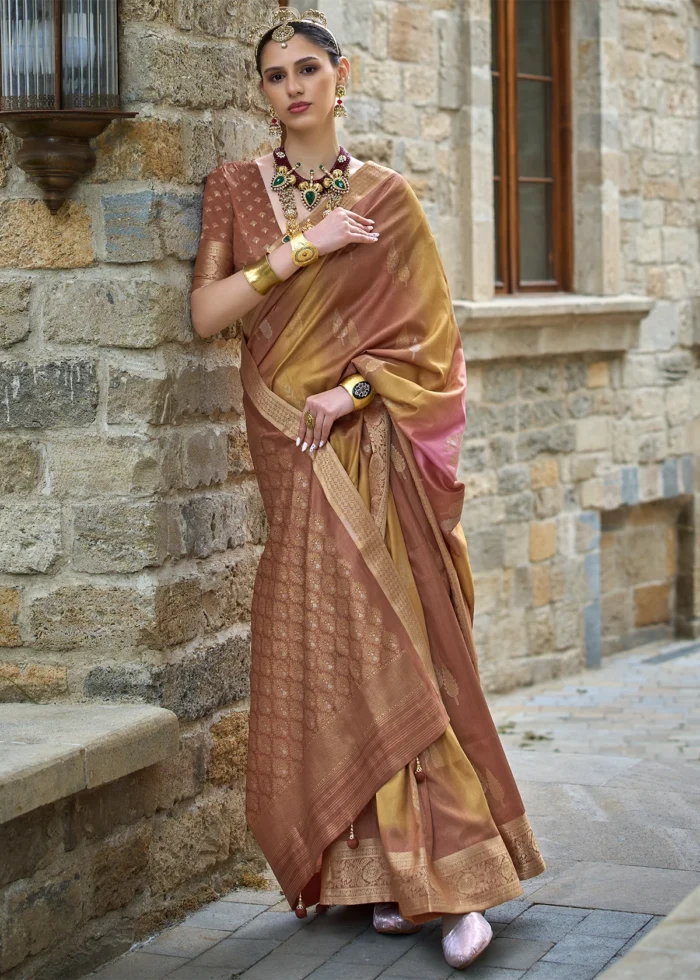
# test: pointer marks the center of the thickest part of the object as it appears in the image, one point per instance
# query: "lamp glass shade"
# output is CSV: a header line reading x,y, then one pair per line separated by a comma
x,y
89,49
26,54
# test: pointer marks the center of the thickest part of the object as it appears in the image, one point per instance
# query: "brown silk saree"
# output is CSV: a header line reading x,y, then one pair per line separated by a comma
x,y
363,658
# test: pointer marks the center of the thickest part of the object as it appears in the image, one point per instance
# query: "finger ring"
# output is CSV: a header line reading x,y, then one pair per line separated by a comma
x,y
309,419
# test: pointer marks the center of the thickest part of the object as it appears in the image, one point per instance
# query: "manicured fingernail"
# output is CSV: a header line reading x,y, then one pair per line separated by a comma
x,y
320,443
298,440
304,446
312,447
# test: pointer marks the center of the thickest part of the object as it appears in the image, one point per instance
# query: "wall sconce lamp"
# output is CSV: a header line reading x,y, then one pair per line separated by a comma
x,y
59,86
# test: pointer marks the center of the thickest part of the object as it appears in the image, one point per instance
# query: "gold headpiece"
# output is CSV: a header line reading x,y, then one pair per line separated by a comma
x,y
281,21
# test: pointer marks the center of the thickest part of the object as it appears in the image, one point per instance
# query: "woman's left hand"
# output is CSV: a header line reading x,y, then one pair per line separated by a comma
x,y
325,407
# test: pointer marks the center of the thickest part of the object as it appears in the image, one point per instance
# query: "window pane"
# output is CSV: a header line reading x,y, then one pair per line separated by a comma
x,y
534,202
533,36
534,128
496,123
496,214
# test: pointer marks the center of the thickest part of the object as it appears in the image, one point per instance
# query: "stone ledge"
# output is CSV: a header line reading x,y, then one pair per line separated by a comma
x,y
547,324
49,751
672,949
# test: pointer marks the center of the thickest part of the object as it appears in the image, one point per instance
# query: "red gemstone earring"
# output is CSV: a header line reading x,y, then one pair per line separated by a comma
x,y
274,129
340,109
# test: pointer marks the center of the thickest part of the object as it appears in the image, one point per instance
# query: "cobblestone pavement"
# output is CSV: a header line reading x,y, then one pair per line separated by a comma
x,y
608,763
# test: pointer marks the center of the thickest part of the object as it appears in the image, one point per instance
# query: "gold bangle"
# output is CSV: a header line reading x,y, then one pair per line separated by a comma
x,y
261,276
304,252
359,389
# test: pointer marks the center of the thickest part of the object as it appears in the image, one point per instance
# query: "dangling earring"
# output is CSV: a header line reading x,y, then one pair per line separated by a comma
x,y
274,129
340,109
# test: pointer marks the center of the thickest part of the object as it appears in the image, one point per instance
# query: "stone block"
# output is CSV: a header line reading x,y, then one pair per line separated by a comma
x,y
130,227
36,682
119,871
94,466
669,478
399,119
548,502
48,394
90,618
630,485
10,599
651,604
588,531
543,540
540,630
123,536
540,378
14,311
519,507
133,313
592,631
204,457
153,62
187,844
567,623
486,420
544,472
487,550
140,149
228,758
499,383
539,414
200,681
212,522
179,223
557,439
541,584
592,434
659,330
598,374
178,614
580,404
30,537
513,479
36,915
33,238
409,34
20,465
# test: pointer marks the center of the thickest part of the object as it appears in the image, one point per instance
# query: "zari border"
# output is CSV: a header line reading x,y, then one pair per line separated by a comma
x,y
347,504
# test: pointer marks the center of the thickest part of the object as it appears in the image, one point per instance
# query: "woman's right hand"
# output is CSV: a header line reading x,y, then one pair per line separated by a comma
x,y
339,228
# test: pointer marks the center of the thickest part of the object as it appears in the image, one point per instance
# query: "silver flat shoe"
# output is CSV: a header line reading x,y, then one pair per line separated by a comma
x,y
387,918
466,940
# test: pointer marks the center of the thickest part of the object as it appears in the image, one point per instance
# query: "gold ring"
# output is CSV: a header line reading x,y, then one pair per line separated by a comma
x,y
309,419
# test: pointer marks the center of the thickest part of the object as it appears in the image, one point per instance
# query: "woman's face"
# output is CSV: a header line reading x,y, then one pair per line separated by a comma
x,y
300,75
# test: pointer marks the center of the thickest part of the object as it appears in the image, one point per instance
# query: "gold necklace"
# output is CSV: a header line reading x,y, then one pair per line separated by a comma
x,y
334,185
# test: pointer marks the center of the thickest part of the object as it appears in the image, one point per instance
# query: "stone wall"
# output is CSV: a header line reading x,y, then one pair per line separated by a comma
x,y
130,520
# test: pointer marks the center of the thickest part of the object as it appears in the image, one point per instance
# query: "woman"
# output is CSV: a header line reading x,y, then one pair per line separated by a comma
x,y
375,772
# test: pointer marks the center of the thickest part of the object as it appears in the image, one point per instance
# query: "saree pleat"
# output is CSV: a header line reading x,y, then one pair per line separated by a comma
x,y
363,655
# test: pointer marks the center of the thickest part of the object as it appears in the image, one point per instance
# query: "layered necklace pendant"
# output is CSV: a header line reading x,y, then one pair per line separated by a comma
x,y
332,186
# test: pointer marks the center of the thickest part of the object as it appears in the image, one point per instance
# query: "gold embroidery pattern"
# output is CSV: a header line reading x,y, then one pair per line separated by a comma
x,y
399,462
477,877
316,636
396,265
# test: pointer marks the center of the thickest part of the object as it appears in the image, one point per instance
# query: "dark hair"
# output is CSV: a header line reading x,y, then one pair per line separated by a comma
x,y
319,35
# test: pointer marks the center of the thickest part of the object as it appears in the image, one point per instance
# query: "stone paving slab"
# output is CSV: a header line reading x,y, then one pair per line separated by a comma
x,y
619,887
613,792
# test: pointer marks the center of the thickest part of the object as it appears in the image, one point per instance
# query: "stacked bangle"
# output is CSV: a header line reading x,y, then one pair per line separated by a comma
x,y
359,389
261,276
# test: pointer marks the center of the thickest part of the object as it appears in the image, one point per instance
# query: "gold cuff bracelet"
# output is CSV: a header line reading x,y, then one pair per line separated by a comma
x,y
304,252
359,389
261,276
